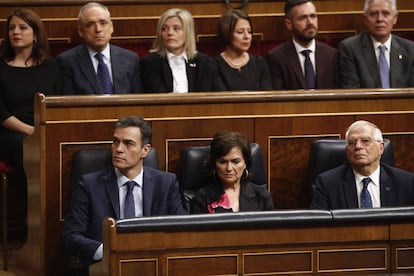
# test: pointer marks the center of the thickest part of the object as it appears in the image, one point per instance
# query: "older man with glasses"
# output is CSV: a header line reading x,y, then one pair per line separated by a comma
x,y
364,182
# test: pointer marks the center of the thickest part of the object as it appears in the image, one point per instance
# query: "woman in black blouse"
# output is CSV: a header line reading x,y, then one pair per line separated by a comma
x,y
234,68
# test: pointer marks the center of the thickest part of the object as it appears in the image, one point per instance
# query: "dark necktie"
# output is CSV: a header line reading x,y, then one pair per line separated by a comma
x,y
103,75
366,201
129,208
309,73
383,67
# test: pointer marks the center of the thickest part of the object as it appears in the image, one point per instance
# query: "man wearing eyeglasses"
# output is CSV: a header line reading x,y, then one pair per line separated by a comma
x,y
376,58
365,182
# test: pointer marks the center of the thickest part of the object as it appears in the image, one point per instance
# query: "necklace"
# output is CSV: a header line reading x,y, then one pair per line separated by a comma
x,y
233,64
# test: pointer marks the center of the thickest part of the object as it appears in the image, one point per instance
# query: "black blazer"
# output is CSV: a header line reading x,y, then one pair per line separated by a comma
x,y
359,65
286,71
336,189
156,74
79,76
252,198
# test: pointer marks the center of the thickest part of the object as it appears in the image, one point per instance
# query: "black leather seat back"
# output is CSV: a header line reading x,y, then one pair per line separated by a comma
x,y
192,175
90,160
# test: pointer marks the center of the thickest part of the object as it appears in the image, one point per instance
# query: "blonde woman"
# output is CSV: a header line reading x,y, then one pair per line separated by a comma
x,y
174,64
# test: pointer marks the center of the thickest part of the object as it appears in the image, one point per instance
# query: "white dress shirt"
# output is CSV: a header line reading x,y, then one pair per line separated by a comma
x,y
178,65
373,187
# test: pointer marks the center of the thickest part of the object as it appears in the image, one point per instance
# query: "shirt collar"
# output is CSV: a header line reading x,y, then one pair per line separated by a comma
x,y
182,55
299,48
105,52
387,43
122,179
375,176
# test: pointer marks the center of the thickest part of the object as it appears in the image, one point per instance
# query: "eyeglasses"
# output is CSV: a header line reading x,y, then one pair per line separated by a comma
x,y
365,141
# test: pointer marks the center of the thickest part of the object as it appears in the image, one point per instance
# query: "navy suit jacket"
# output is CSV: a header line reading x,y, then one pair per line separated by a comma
x,y
79,76
286,70
97,197
157,76
336,189
359,65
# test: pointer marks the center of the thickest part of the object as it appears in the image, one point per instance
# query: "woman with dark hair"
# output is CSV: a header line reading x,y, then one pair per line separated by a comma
x,y
230,191
25,69
234,68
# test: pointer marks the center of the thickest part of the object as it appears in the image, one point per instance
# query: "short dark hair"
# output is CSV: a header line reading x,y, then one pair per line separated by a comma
x,y
223,142
290,4
227,23
134,121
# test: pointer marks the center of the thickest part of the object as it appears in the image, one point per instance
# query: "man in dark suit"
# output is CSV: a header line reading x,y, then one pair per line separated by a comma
x,y
365,182
105,193
360,56
287,62
79,66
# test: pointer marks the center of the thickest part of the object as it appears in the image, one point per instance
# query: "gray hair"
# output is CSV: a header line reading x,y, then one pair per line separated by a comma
x,y
392,2
377,131
89,6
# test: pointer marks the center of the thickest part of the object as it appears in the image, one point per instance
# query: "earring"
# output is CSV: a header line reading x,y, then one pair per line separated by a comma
x,y
246,172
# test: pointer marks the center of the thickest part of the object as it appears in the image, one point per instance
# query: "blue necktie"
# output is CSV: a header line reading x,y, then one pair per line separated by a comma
x,y
129,208
309,73
383,67
103,75
366,201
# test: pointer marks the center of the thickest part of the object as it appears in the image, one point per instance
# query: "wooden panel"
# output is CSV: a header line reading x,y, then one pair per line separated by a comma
x,y
203,265
353,259
404,258
138,267
278,262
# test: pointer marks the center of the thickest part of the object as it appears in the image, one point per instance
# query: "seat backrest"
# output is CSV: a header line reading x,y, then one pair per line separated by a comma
x,y
192,176
327,154
90,160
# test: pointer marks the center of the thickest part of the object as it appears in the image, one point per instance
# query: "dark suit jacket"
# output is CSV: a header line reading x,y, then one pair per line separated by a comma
x,y
252,198
79,76
97,197
156,74
335,188
287,73
359,65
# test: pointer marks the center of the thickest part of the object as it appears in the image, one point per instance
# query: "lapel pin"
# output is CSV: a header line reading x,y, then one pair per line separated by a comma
x,y
192,64
400,57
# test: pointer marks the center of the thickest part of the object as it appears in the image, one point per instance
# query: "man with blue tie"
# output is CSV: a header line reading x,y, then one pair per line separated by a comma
x,y
96,66
127,189
364,182
376,58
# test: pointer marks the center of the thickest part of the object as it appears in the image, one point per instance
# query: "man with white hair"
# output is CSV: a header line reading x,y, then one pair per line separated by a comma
x,y
364,182
377,58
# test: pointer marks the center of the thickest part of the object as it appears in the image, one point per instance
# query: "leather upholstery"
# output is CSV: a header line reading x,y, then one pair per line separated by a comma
x,y
282,218
90,160
192,176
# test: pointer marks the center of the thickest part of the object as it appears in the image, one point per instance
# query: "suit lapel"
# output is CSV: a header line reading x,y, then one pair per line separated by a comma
x,y
295,64
368,52
350,189
191,67
148,193
111,186
396,66
385,189
116,66
86,66
166,73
